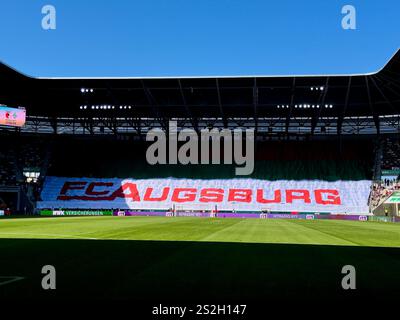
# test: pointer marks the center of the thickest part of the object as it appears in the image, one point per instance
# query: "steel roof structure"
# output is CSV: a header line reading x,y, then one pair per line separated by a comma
x,y
320,104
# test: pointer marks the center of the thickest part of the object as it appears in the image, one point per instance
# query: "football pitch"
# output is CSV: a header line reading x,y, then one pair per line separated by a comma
x,y
318,232
170,259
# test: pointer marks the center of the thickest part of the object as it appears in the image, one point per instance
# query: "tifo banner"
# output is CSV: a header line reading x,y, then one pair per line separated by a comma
x,y
344,197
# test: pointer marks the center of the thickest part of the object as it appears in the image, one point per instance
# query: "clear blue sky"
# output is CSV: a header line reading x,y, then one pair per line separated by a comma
x,y
197,37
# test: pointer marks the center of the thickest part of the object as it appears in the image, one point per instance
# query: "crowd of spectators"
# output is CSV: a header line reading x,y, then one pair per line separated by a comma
x,y
391,154
30,156
20,167
7,170
389,161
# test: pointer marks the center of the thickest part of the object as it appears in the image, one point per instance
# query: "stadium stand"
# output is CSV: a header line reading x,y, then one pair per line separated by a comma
x,y
389,163
20,168
390,158
379,192
107,157
7,170
275,160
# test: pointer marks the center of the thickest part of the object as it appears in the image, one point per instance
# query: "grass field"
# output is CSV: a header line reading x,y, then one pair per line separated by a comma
x,y
173,259
325,232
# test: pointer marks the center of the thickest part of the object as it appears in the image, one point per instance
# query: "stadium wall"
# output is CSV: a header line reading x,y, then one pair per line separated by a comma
x,y
162,213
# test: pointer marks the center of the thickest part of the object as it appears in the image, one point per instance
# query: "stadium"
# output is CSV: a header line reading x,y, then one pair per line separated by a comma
x,y
77,192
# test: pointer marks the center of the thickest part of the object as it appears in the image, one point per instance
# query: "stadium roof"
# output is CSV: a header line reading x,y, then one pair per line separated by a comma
x,y
246,97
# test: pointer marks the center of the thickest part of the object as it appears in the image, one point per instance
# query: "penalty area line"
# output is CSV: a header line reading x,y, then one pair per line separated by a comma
x,y
9,279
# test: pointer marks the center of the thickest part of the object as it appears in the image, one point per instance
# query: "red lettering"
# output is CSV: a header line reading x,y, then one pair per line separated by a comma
x,y
189,195
149,191
239,195
75,185
211,195
100,191
90,189
332,197
298,195
120,192
277,197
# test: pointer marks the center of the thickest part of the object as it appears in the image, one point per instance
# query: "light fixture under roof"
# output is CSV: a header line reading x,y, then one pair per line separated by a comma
x,y
86,90
317,88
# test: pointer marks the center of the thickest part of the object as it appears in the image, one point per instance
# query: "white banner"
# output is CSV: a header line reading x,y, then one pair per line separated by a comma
x,y
231,194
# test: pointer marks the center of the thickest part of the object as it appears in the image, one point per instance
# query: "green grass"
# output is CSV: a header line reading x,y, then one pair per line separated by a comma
x,y
324,232
194,259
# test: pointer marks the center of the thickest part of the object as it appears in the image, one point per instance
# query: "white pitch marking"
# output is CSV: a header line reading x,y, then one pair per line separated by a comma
x,y
45,234
13,279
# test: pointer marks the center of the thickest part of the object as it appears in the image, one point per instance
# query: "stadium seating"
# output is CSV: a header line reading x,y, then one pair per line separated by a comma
x,y
391,152
108,157
389,161
275,160
7,169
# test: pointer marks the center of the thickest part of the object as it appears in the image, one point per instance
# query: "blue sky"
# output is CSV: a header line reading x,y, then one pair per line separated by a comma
x,y
197,37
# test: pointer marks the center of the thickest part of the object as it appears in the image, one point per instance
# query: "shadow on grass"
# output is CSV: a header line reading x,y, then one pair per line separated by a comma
x,y
195,271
